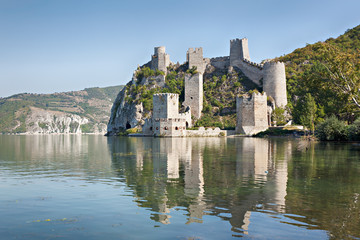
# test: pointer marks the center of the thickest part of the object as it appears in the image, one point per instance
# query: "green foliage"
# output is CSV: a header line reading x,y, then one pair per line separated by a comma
x,y
354,131
278,115
332,129
131,130
329,71
305,112
43,125
192,71
87,128
73,126
278,132
12,113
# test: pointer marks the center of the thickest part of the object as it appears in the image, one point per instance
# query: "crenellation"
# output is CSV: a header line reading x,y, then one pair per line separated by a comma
x,y
194,57
252,115
239,50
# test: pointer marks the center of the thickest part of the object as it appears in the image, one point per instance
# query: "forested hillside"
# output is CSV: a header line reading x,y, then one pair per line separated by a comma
x,y
23,112
323,79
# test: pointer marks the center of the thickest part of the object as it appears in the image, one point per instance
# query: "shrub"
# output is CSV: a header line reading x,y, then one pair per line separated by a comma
x,y
332,129
192,71
278,115
354,131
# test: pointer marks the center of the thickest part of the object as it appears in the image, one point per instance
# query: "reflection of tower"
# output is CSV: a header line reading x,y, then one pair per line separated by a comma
x,y
254,157
252,166
194,181
166,164
281,176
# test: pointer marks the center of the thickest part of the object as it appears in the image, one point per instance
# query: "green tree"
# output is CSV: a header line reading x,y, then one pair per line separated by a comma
x,y
307,109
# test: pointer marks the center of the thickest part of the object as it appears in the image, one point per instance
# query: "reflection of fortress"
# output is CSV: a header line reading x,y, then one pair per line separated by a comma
x,y
192,173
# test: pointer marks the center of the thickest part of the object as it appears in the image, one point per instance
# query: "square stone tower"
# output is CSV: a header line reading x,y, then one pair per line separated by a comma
x,y
166,120
194,94
251,114
239,50
165,105
194,57
160,60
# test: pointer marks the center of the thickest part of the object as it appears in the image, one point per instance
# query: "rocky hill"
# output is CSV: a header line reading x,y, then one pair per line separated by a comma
x,y
85,111
134,103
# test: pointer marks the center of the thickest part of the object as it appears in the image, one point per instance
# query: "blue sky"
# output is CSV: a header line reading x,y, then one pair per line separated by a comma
x,y
51,46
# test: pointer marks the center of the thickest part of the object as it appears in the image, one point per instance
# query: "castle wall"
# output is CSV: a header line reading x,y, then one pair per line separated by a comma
x,y
165,105
251,114
160,60
239,50
194,93
195,58
274,82
220,62
169,127
252,71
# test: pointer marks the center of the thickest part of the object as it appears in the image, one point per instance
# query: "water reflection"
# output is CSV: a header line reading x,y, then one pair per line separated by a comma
x,y
55,154
238,186
206,176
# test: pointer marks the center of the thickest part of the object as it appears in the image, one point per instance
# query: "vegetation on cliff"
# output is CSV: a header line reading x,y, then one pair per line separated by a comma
x,y
220,89
91,103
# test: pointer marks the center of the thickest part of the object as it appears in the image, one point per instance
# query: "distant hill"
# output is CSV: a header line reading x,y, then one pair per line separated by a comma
x,y
85,111
305,73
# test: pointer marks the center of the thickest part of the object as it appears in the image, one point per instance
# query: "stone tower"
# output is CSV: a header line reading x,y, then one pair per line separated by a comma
x,y
274,82
166,120
194,95
160,60
251,114
239,50
194,57
165,105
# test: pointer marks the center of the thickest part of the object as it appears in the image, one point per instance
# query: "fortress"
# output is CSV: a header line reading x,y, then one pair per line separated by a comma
x,y
253,112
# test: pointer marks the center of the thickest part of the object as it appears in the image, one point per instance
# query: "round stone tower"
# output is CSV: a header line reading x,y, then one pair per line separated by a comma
x,y
274,82
159,50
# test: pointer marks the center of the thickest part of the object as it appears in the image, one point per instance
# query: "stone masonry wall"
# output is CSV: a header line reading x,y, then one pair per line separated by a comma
x,y
165,105
160,60
194,93
239,50
169,127
220,62
253,72
195,58
251,114
275,82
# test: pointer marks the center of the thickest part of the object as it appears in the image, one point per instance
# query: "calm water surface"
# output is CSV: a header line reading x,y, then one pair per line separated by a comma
x,y
93,187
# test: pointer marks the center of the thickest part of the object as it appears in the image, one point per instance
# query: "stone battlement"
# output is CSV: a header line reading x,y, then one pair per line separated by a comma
x,y
252,116
159,50
254,64
195,58
254,97
239,50
196,50
166,94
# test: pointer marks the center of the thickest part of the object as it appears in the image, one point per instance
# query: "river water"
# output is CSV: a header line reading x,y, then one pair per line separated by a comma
x,y
94,187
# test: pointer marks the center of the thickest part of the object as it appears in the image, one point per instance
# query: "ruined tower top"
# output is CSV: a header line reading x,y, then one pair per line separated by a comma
x,y
239,50
160,60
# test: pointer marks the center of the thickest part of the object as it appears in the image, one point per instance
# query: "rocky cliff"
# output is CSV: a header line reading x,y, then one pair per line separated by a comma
x,y
86,111
221,84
